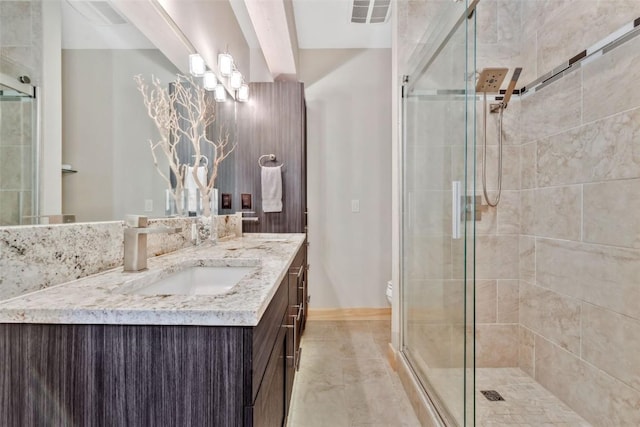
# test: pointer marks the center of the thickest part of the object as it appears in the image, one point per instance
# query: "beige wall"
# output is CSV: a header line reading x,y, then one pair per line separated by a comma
x,y
349,157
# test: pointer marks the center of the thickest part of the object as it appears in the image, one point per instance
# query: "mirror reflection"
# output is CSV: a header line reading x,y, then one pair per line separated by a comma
x,y
106,163
18,155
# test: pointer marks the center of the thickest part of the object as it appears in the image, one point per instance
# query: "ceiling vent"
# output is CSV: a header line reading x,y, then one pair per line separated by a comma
x,y
370,11
97,12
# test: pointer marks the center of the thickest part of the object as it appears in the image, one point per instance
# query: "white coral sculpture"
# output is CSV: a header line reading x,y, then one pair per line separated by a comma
x,y
183,112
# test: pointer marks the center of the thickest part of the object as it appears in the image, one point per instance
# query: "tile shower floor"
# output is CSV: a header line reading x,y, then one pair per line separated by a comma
x,y
526,403
345,381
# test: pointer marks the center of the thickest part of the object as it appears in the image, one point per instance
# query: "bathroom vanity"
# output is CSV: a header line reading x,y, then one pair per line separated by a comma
x,y
98,351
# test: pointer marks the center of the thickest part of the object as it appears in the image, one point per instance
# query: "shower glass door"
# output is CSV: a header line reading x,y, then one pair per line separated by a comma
x,y
18,157
437,236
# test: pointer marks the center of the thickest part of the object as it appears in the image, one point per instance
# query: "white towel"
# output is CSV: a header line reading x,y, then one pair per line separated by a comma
x,y
271,189
191,186
213,196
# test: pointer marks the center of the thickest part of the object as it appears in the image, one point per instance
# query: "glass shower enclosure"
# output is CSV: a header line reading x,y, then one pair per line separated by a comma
x,y
19,153
437,224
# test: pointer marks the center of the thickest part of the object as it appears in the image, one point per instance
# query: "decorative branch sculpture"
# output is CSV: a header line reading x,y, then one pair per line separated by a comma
x,y
182,113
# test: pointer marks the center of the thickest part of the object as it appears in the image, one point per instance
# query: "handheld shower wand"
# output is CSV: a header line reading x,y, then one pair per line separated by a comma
x,y
512,85
489,81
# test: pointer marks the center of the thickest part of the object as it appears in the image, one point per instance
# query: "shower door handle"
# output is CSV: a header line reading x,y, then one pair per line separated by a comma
x,y
456,209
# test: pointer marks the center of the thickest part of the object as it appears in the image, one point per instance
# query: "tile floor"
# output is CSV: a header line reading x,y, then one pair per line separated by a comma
x,y
346,381
526,403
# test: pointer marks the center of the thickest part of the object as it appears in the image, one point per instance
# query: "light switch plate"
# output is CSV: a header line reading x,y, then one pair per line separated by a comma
x,y
355,205
148,205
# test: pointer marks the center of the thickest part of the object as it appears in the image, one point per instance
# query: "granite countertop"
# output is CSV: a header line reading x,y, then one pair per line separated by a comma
x,y
101,298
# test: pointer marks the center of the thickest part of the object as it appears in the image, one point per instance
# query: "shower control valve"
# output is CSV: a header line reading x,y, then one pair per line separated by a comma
x,y
475,202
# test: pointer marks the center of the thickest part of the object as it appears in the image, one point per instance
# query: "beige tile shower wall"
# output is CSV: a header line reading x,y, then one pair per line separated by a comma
x,y
555,30
579,260
497,248
21,39
498,37
15,161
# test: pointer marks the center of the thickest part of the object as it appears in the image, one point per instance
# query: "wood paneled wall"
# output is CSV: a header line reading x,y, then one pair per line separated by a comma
x,y
273,122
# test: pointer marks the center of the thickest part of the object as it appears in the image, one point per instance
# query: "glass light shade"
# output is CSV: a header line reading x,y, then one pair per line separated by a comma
x,y
225,64
209,80
235,81
243,93
197,66
220,93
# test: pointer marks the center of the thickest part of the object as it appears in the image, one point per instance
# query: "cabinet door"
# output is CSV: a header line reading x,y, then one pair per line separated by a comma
x,y
303,292
269,406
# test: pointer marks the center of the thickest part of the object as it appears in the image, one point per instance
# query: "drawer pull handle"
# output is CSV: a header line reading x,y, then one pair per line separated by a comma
x,y
295,325
293,272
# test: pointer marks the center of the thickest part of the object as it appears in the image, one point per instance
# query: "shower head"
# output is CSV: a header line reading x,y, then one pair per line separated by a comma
x,y
491,79
512,86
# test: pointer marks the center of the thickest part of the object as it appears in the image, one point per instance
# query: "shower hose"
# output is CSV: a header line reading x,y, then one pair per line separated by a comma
x,y
484,155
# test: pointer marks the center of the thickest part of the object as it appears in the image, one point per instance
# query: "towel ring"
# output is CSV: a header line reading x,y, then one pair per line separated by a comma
x,y
269,157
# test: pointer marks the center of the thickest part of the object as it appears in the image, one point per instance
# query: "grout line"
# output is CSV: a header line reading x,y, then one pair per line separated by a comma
x,y
589,243
589,364
582,207
580,331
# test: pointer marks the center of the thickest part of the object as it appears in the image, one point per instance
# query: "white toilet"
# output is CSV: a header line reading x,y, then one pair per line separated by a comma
x,y
389,291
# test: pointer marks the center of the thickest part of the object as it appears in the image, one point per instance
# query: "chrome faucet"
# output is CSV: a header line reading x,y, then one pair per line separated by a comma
x,y
135,241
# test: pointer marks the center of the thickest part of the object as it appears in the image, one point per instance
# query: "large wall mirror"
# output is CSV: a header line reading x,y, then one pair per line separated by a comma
x,y
107,168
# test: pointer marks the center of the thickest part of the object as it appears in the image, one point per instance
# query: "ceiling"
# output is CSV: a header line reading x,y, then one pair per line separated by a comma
x,y
85,27
277,27
326,24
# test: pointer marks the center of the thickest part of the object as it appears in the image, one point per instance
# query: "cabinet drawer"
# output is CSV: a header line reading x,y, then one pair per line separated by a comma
x,y
268,409
265,334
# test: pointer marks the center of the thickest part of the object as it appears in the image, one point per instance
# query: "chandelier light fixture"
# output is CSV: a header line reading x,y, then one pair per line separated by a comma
x,y
211,79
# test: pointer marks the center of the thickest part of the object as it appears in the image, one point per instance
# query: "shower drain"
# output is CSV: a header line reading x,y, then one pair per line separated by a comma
x,y
492,395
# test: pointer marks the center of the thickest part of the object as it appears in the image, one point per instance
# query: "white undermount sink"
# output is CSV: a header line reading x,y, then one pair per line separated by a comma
x,y
198,280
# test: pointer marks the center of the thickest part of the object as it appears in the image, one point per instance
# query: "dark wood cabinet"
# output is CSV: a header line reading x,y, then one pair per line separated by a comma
x,y
147,375
269,407
274,122
297,312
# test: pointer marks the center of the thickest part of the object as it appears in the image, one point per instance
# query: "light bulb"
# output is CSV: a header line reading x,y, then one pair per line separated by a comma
x,y
209,80
243,93
197,66
235,81
220,93
225,64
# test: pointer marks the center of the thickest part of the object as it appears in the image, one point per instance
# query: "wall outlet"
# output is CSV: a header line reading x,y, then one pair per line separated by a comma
x,y
148,205
355,205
